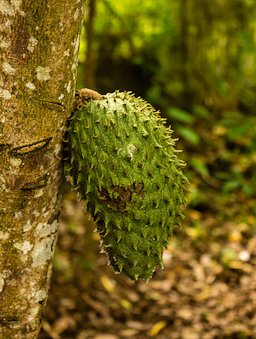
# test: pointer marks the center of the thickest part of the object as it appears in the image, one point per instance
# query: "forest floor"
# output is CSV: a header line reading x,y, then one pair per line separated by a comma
x,y
206,290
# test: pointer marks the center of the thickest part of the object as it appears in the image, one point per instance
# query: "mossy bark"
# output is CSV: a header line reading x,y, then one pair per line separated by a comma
x,y
39,43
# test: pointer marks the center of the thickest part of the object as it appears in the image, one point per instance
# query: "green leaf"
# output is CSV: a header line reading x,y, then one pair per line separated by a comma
x,y
231,185
180,115
248,189
189,135
201,111
200,167
239,131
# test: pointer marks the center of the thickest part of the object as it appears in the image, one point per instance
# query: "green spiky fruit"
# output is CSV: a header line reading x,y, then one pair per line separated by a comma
x,y
124,165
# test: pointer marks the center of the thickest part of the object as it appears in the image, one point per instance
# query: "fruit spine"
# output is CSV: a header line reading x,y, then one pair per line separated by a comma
x,y
123,162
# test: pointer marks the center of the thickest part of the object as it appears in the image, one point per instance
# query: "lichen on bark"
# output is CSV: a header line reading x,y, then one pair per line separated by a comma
x,y
38,55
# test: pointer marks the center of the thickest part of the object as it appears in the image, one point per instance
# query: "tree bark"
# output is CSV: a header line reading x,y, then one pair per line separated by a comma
x,y
39,43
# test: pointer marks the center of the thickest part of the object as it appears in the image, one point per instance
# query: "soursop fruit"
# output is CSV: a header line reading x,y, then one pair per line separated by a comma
x,y
123,162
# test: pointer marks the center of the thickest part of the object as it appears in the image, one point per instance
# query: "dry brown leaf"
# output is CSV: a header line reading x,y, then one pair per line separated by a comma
x,y
185,313
129,333
140,326
63,323
105,336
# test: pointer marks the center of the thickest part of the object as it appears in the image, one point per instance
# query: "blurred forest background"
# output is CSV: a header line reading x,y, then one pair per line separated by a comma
x,y
195,61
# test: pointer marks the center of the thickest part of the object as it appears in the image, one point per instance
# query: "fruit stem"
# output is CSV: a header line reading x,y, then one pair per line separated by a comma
x,y
82,96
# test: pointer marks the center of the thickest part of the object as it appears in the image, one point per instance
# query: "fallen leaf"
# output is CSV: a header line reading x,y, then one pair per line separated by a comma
x,y
108,284
157,328
125,304
105,336
129,332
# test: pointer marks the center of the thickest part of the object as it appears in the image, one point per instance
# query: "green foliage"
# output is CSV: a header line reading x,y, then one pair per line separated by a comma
x,y
189,135
187,49
180,115
200,167
195,61
124,165
237,128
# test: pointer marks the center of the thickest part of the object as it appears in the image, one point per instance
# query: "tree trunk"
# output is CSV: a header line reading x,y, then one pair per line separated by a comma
x,y
39,43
